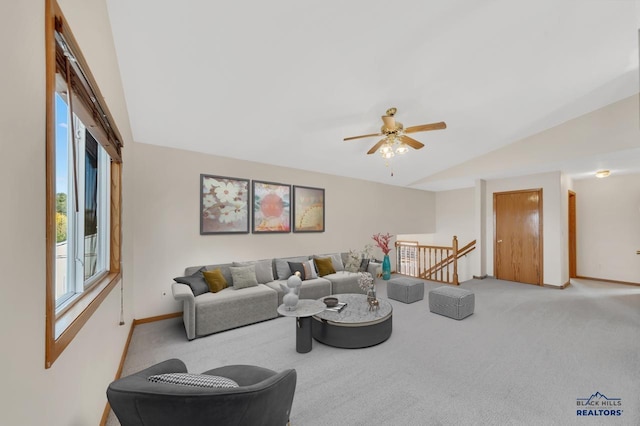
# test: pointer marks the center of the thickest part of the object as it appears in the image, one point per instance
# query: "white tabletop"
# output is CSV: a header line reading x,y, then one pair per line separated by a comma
x,y
304,308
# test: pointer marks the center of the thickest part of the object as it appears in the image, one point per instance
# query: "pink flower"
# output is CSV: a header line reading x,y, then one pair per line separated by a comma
x,y
382,241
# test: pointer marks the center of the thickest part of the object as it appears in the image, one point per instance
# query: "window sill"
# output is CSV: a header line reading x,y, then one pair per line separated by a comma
x,y
69,323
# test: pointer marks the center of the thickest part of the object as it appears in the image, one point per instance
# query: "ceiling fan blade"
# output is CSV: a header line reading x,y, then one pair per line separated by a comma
x,y
376,146
389,122
411,142
425,127
362,136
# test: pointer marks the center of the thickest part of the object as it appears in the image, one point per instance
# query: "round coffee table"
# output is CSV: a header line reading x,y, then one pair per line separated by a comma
x,y
355,326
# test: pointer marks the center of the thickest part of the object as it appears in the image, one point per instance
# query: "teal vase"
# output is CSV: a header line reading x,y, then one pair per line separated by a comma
x,y
386,267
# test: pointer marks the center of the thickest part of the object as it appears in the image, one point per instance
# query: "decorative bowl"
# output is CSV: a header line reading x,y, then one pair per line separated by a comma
x,y
330,301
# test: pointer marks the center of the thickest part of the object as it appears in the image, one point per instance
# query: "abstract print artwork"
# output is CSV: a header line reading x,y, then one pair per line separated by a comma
x,y
271,207
308,209
224,205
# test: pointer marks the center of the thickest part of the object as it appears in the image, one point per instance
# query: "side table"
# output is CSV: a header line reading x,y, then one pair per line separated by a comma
x,y
305,309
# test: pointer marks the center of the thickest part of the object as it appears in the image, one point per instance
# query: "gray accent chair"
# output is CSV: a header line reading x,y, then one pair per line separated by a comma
x,y
264,397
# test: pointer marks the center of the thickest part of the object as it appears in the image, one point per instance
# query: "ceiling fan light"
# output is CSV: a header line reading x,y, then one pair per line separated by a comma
x,y
387,154
386,148
402,149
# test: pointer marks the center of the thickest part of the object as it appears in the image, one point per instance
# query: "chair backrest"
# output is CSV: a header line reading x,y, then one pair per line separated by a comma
x,y
136,401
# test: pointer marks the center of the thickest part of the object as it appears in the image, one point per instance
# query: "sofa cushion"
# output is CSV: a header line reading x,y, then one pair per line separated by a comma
x,y
215,280
324,266
343,282
264,269
196,282
244,276
194,380
282,266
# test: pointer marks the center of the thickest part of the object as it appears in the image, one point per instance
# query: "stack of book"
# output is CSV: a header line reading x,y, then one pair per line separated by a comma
x,y
338,308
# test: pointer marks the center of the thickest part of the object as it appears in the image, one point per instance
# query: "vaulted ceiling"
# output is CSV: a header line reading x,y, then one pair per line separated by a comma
x,y
283,82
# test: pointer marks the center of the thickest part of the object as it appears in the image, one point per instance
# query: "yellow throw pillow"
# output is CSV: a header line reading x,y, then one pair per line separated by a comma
x,y
215,280
324,265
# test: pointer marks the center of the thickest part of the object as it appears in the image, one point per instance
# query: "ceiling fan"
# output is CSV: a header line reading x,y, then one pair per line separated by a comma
x,y
395,135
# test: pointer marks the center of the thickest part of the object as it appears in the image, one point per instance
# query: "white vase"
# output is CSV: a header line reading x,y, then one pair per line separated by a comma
x,y
290,301
292,289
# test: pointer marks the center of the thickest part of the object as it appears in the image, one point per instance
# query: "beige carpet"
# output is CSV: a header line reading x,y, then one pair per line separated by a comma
x,y
524,357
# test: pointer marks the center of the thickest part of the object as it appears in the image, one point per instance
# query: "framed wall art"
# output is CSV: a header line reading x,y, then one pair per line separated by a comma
x,y
271,210
224,205
308,209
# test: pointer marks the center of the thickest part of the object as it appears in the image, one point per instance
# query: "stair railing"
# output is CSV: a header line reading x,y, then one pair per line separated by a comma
x,y
433,263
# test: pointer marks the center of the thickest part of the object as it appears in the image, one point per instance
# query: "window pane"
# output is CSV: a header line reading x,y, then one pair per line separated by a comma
x,y
90,206
82,246
63,290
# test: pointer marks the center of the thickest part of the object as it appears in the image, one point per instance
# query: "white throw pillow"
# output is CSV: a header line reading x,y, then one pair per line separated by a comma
x,y
310,266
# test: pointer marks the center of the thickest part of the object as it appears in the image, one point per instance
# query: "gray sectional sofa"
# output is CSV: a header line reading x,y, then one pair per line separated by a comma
x,y
249,299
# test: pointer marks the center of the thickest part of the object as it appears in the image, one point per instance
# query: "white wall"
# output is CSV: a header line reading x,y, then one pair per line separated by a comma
x,y
608,227
480,220
455,215
166,218
72,391
566,185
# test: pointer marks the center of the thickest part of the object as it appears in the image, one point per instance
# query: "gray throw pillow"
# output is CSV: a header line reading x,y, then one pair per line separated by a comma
x,y
194,380
264,269
196,282
364,265
282,266
243,276
298,267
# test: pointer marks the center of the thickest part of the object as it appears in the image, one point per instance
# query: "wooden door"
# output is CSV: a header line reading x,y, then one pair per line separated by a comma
x,y
518,236
573,269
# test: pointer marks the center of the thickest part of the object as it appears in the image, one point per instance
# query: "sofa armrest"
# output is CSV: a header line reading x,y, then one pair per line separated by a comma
x,y
373,269
172,365
182,292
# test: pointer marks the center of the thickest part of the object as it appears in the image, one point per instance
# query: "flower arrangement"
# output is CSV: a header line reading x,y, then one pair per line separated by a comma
x,y
382,241
365,280
355,257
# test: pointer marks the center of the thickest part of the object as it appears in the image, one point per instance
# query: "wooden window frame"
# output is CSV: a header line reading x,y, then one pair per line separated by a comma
x,y
61,328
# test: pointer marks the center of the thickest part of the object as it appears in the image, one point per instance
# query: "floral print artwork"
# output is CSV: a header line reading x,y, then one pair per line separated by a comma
x,y
224,205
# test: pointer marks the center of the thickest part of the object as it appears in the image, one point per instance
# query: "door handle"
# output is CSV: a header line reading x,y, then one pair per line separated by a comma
x,y
499,241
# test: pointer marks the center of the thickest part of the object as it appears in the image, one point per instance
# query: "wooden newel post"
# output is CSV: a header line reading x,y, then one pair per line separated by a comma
x,y
455,260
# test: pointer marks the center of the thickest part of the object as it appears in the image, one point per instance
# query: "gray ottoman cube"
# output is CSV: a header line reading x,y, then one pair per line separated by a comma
x,y
452,302
406,290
